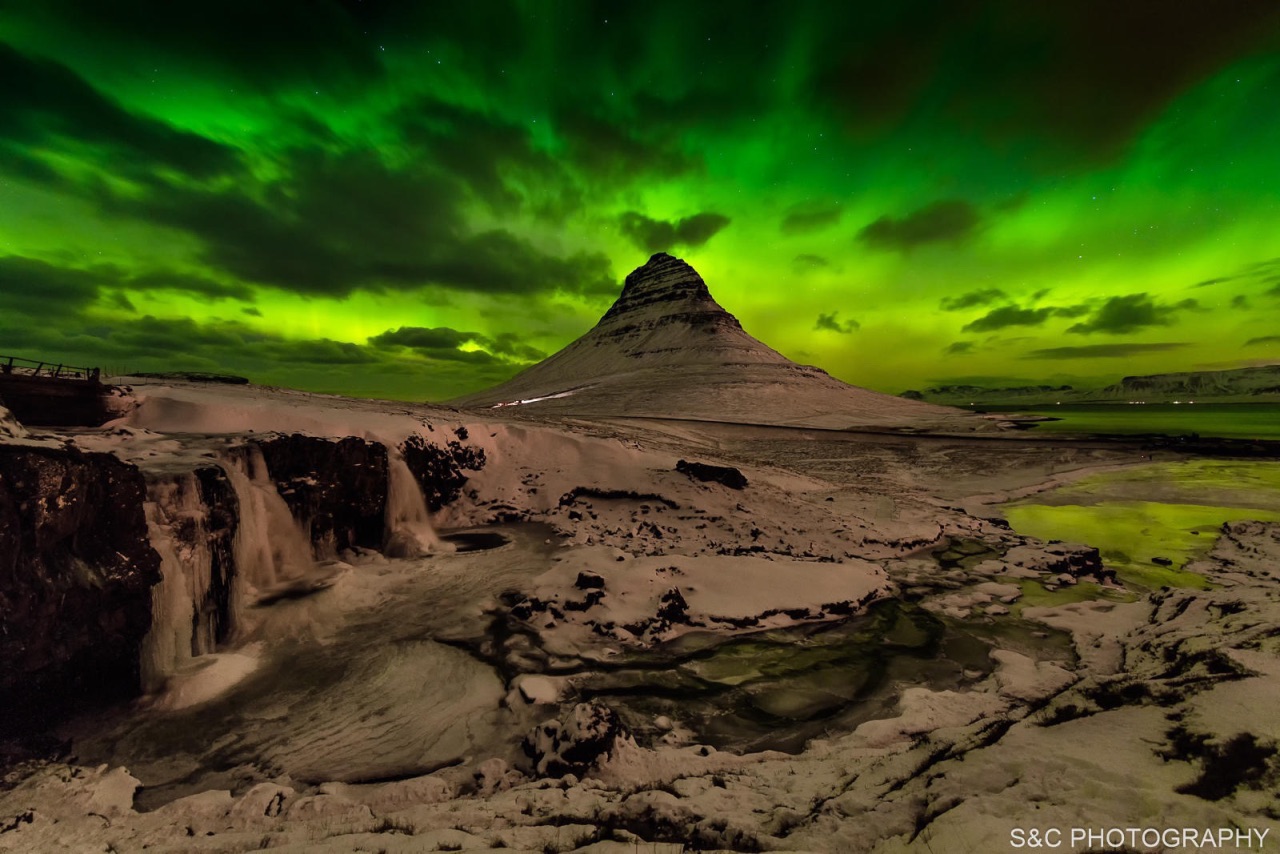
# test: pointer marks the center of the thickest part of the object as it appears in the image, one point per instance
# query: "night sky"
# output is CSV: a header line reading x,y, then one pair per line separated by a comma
x,y
416,200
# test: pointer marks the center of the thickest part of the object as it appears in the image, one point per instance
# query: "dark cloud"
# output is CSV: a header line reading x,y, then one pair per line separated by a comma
x,y
873,67
317,44
655,235
483,150
805,263
169,344
1009,315
52,111
1120,315
510,345
609,153
944,221
1103,351
984,296
442,342
1265,339
423,338
330,223
958,347
832,323
1141,55
1012,72
189,283
810,217
41,289
1013,315
339,223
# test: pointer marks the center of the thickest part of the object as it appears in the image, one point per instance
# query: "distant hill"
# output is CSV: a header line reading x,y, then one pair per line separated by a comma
x,y
963,395
1240,385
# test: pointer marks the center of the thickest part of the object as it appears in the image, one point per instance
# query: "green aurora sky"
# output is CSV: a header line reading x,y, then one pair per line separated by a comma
x,y
415,200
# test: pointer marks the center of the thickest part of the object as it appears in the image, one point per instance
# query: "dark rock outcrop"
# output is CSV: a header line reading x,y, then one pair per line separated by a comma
x,y
441,469
1079,561
337,489
589,581
672,607
220,523
44,401
76,571
576,742
726,475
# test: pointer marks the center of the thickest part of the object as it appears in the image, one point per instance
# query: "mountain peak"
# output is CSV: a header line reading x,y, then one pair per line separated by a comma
x,y
665,285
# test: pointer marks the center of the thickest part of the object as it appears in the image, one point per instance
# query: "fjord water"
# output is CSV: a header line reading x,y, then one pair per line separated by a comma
x,y
1221,420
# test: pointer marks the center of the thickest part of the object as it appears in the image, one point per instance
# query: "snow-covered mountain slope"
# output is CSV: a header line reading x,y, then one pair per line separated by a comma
x,y
666,348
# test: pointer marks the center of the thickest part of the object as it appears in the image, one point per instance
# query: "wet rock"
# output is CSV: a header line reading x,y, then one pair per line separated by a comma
x,y
672,607
220,523
579,492
726,475
76,571
441,469
337,488
576,742
589,581
1162,561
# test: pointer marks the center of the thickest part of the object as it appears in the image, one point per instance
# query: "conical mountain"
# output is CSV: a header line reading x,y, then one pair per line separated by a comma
x,y
666,349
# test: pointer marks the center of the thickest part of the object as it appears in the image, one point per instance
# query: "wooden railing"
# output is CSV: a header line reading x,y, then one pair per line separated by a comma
x,y
12,365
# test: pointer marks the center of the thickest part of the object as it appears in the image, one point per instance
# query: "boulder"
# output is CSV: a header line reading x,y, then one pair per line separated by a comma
x,y
725,475
575,743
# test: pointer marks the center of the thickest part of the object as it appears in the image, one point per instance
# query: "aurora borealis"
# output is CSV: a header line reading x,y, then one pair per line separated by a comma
x,y
415,200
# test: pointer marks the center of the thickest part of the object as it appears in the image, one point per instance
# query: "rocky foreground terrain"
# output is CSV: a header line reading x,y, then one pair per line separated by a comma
x,y
1148,710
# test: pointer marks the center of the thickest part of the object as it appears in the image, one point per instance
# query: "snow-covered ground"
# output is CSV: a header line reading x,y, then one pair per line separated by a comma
x,y
440,700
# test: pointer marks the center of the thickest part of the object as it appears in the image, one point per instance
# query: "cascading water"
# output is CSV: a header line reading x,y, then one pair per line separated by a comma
x,y
273,559
270,546
409,530
180,627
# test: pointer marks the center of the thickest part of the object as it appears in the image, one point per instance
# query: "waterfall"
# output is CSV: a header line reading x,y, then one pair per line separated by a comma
x,y
270,546
409,530
9,425
271,552
180,627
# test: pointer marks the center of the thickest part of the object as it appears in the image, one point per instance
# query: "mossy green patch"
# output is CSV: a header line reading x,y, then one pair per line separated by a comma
x,y
1217,483
1034,594
1135,537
